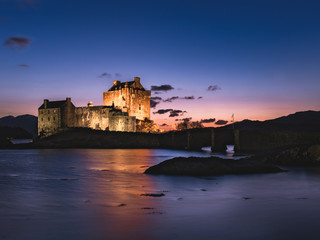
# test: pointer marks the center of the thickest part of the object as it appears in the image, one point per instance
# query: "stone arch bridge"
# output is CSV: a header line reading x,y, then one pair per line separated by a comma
x,y
246,141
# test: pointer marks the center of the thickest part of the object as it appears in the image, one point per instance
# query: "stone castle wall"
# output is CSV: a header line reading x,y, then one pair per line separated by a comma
x,y
67,114
122,123
92,117
104,118
49,121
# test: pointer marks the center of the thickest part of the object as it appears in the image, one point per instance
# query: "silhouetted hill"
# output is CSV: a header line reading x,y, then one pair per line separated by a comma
x,y
26,122
308,120
14,132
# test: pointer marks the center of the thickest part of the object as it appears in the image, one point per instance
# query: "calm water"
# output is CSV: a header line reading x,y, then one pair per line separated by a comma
x,y
95,194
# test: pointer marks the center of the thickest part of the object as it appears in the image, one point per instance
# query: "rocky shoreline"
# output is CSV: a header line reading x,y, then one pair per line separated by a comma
x,y
298,155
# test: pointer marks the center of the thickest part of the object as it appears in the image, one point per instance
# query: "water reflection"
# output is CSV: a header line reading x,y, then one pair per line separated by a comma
x,y
21,141
229,154
230,150
96,194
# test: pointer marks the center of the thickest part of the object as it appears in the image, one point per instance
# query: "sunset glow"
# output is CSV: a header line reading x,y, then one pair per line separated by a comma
x,y
259,62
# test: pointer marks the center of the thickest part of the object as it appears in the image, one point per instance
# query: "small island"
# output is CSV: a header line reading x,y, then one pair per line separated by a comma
x,y
198,166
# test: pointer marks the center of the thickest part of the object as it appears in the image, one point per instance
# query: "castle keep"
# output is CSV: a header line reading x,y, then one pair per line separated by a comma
x,y
123,104
129,97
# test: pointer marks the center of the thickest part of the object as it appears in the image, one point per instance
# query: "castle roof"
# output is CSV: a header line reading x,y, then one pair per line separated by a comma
x,y
53,104
130,84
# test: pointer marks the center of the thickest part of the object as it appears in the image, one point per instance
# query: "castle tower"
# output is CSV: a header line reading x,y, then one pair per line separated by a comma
x,y
129,97
54,115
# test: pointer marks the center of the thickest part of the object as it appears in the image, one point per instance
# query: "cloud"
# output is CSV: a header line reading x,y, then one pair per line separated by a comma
x,y
162,111
17,42
171,99
200,97
209,120
164,125
176,113
176,97
156,98
214,88
173,113
184,119
153,103
107,75
117,75
189,98
23,65
164,88
221,122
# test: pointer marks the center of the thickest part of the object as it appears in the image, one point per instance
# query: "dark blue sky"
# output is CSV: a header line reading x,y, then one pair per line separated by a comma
x,y
263,55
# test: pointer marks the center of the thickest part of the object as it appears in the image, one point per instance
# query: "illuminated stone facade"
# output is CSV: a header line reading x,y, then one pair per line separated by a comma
x,y
95,117
122,105
54,116
129,97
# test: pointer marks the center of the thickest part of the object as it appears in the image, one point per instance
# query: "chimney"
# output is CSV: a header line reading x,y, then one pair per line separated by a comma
x,y
115,83
45,103
68,100
137,79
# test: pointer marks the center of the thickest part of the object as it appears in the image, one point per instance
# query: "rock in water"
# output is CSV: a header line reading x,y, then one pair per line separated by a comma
x,y
197,166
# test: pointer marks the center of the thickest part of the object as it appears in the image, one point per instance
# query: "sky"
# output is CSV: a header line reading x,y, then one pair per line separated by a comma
x,y
255,59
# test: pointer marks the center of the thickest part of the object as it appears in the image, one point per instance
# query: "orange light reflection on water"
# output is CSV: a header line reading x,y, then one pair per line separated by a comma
x,y
118,186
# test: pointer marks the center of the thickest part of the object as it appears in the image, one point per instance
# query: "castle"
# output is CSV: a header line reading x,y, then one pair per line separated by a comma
x,y
124,104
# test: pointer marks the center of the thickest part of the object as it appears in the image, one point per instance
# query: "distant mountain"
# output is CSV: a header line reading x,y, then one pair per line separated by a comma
x,y
14,132
26,122
307,120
